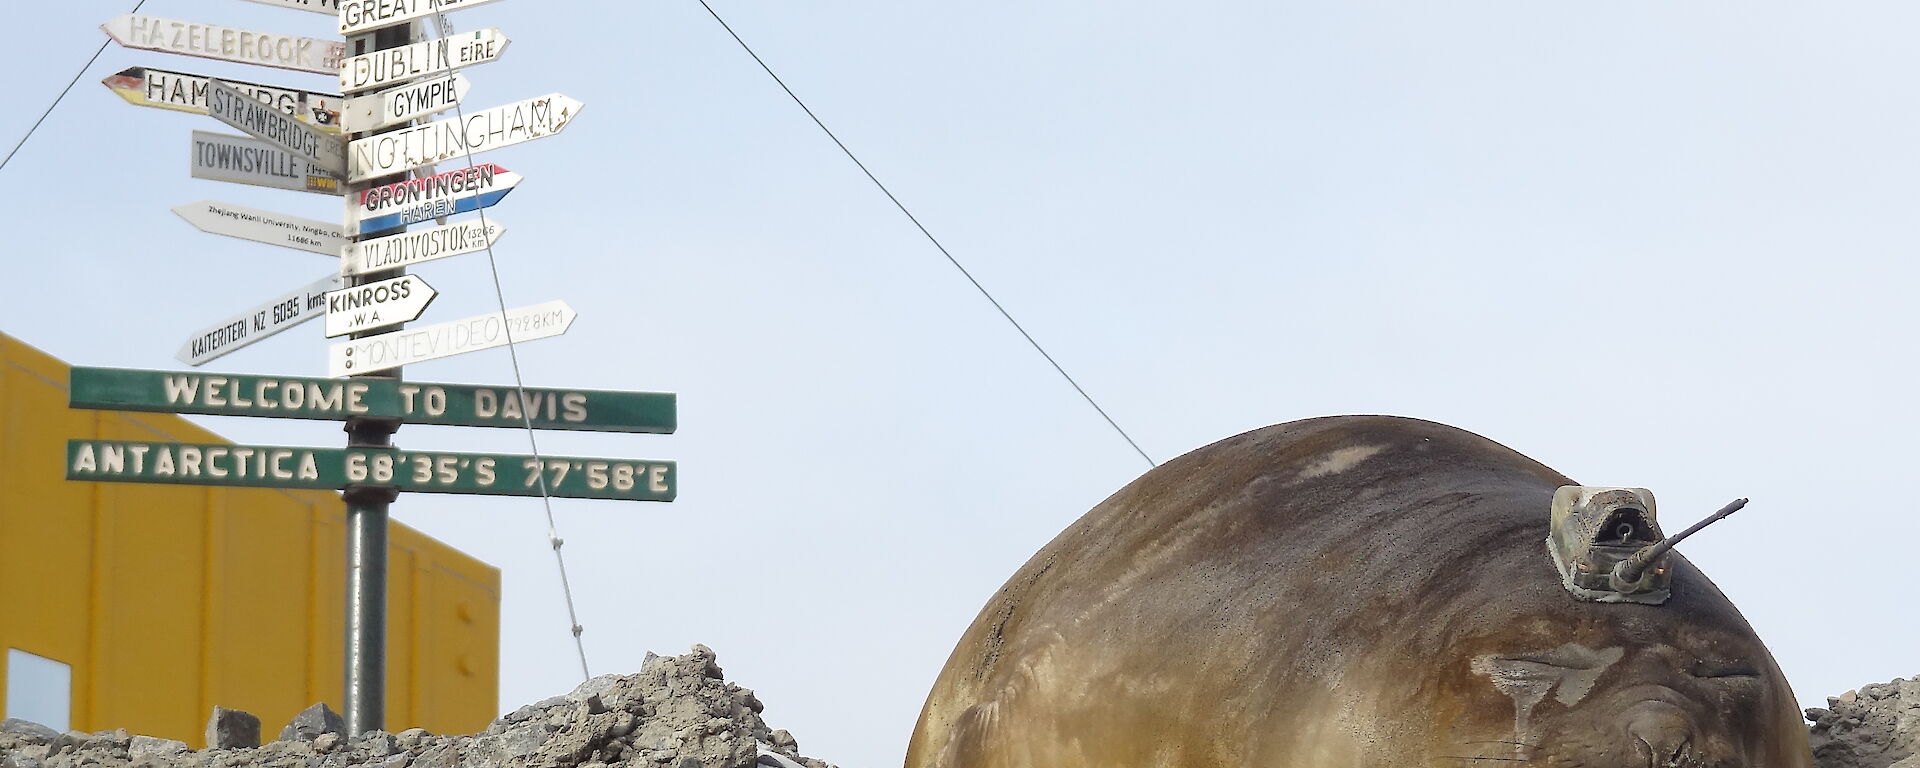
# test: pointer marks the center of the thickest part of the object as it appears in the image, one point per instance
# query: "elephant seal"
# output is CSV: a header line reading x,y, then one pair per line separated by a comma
x,y
1346,591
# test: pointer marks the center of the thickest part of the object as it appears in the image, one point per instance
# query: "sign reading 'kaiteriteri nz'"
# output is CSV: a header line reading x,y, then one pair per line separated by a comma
x,y
413,402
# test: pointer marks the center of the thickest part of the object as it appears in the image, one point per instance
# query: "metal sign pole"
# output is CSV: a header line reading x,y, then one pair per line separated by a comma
x,y
366,641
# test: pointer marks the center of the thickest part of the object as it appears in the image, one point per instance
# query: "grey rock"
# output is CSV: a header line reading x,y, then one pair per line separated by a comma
x,y
784,741
232,729
29,730
377,743
412,737
145,747
325,742
313,721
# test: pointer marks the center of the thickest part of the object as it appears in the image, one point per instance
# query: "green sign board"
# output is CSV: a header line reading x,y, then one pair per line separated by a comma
x,y
412,402
273,466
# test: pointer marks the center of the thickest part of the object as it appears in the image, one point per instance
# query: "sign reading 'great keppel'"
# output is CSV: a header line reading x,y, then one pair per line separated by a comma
x,y
409,62
184,92
210,41
268,124
442,140
273,466
429,197
363,15
412,402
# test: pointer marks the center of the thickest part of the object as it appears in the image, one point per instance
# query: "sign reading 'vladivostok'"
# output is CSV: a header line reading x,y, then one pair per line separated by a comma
x,y
429,197
268,124
263,226
209,41
398,105
273,466
413,402
276,315
377,304
408,248
432,342
183,92
363,15
409,62
442,140
241,160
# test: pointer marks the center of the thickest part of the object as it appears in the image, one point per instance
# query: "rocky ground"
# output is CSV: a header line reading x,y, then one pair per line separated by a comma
x,y
1877,726
678,712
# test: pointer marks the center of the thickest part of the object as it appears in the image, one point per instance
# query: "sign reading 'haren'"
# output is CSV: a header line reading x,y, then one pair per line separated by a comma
x,y
274,466
263,122
442,140
263,226
408,248
432,342
398,105
362,15
413,402
241,160
409,62
209,41
429,197
276,315
377,304
185,92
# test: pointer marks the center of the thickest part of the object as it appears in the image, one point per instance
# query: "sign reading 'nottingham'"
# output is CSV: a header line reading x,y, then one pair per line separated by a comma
x,y
442,140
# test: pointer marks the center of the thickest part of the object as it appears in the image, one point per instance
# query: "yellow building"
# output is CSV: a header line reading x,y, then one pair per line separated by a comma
x,y
151,604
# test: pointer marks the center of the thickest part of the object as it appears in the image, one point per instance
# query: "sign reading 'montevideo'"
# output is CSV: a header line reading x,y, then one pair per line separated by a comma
x,y
442,140
211,41
412,402
432,342
274,466
185,92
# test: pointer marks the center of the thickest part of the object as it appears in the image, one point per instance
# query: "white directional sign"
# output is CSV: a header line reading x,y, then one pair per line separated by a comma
x,y
278,314
361,15
398,105
426,198
263,122
441,140
210,41
264,226
431,57
374,305
241,160
184,92
328,7
432,342
419,245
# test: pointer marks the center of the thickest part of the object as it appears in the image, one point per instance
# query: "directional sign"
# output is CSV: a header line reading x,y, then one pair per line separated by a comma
x,y
184,92
432,342
429,197
278,314
210,41
420,245
328,7
398,105
241,160
441,140
274,466
364,307
362,15
264,226
412,402
263,122
410,62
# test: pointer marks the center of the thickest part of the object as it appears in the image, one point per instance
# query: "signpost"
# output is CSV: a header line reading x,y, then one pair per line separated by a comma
x,y
398,105
377,209
442,140
409,248
273,466
412,402
184,92
384,351
209,41
220,157
263,226
263,122
367,15
430,57
368,306
276,315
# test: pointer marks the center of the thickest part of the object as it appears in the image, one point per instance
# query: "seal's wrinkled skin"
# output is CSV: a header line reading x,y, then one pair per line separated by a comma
x,y
1347,591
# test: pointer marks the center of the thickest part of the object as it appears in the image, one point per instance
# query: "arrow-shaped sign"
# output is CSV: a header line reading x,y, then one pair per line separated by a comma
x,y
429,197
398,105
363,15
267,124
377,305
211,41
241,160
441,140
408,62
278,314
432,342
328,7
408,248
264,226
185,92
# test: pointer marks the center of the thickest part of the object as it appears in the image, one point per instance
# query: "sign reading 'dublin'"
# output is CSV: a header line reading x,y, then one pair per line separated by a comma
x,y
273,466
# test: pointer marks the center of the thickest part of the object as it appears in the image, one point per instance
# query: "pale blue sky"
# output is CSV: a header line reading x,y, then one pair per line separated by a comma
x,y
1649,244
